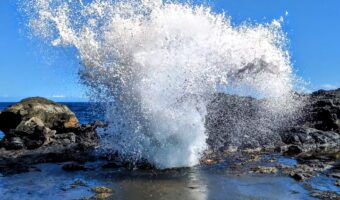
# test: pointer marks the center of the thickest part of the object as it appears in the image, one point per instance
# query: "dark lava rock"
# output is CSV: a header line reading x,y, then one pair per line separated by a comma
x,y
310,139
14,143
112,165
300,176
323,111
242,122
118,163
245,123
39,130
294,150
306,170
318,129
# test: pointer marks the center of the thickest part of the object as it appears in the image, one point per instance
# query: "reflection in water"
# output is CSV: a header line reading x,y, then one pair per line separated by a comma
x,y
169,184
199,183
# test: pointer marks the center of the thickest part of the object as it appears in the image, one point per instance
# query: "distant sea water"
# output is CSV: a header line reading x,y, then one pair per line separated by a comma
x,y
86,112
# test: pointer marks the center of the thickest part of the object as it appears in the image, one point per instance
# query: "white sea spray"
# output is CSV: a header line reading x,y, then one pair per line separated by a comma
x,y
158,64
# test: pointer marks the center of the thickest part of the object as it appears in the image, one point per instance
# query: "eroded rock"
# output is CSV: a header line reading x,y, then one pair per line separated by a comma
x,y
53,115
309,139
39,130
323,112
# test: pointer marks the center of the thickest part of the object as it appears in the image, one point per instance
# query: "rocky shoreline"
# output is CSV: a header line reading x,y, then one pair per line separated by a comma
x,y
312,138
243,122
38,130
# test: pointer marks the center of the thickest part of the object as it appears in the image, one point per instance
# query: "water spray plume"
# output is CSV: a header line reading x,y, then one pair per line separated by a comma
x,y
160,63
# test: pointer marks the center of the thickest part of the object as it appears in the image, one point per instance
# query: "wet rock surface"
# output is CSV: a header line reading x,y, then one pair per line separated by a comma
x,y
323,111
39,130
234,121
302,140
318,130
243,122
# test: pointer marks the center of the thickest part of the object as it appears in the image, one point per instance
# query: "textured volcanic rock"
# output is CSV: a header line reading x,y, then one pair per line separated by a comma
x,y
245,123
53,115
319,128
242,122
310,139
39,130
323,111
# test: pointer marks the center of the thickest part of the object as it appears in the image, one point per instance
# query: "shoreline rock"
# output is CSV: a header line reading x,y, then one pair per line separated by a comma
x,y
243,122
45,131
303,140
319,129
53,115
38,130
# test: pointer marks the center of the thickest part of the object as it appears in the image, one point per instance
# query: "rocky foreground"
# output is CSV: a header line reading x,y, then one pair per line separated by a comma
x,y
38,130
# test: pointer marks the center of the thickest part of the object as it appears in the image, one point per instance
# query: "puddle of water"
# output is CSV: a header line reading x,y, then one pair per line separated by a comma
x,y
192,183
286,161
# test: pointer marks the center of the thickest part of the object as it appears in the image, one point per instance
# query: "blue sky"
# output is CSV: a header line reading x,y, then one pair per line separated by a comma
x,y
30,68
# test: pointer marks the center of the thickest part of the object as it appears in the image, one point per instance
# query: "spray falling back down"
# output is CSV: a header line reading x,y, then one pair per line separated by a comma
x,y
160,63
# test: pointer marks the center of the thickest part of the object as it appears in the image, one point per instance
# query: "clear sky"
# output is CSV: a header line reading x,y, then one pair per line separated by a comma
x,y
30,68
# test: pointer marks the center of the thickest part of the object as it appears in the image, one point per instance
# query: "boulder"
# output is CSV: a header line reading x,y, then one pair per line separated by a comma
x,y
50,114
37,121
323,111
72,146
319,128
39,130
309,139
245,123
